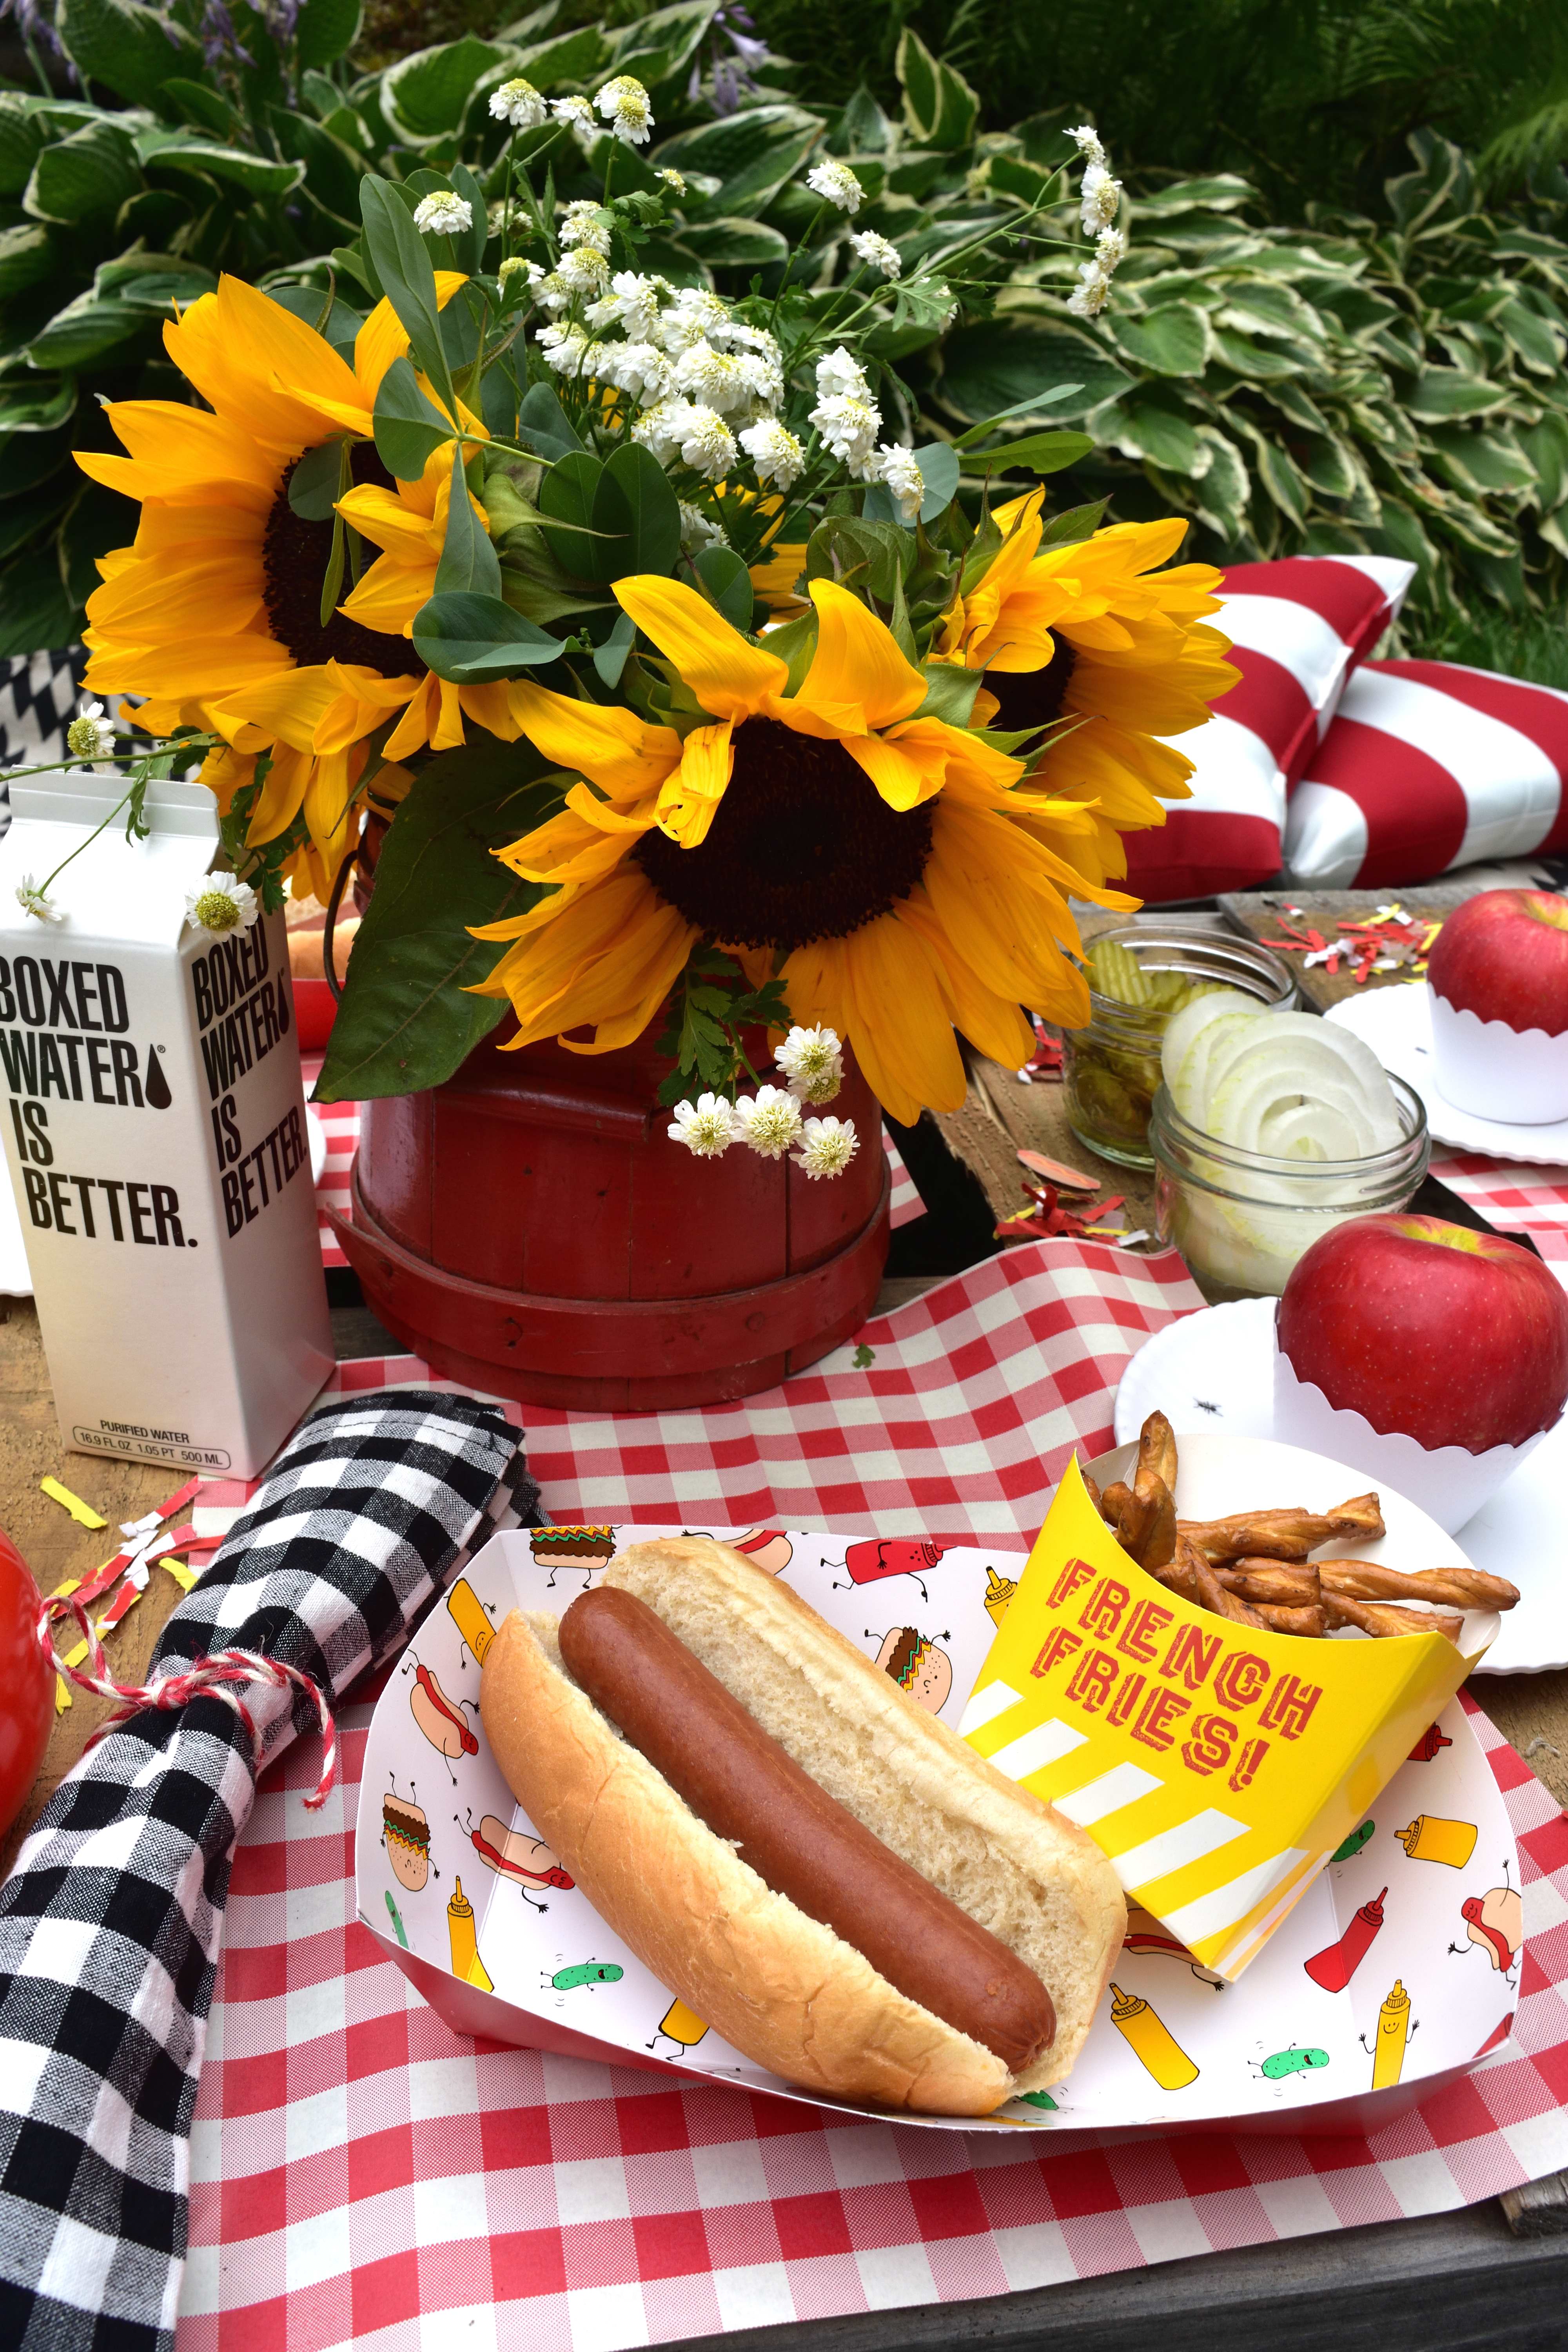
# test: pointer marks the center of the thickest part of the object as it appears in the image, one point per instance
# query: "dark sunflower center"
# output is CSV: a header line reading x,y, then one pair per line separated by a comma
x,y
803,846
294,557
1030,696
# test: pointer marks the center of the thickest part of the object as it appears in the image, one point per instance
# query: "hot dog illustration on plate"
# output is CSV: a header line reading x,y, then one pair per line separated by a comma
x,y
922,1671
880,1556
405,1835
440,1719
516,1854
1494,1924
768,1549
587,1548
1147,1940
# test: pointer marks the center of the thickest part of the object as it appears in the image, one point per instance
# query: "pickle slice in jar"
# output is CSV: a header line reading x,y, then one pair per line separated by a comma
x,y
1115,972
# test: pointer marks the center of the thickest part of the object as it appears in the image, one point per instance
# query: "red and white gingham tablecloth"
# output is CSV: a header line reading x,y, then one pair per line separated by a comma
x,y
361,2175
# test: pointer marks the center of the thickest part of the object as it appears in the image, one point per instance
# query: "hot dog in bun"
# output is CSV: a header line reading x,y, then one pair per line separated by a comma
x,y
817,1866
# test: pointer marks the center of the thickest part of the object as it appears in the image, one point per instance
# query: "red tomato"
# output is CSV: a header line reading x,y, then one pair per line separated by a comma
x,y
26,1685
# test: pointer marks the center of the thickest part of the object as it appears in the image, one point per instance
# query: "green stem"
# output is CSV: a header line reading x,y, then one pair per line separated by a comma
x,y
139,780
802,247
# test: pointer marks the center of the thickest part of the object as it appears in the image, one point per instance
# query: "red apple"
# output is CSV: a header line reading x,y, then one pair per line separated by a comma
x,y
1503,956
1453,1337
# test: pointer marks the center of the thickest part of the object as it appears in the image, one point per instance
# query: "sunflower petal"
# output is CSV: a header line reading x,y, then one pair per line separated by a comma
x,y
729,676
857,660
605,742
901,1028
904,776
692,791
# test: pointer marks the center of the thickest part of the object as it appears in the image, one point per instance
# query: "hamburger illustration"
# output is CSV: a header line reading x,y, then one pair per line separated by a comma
x,y
405,1827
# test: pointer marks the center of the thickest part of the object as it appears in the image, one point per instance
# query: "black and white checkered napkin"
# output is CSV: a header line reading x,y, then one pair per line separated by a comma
x,y
110,1922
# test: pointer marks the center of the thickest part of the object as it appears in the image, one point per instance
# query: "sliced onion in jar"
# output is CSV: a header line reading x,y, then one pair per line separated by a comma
x,y
1304,1054
1189,1036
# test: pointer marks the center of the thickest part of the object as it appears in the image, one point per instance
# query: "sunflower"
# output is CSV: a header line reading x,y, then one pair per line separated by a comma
x,y
1093,634
213,614
898,872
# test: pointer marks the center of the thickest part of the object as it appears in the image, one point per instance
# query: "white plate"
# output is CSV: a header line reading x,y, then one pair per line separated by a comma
x,y
1215,1370
16,1279
1396,1023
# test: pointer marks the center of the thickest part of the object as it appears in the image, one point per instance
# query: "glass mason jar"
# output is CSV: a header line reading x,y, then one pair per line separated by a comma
x,y
1241,1219
1110,1069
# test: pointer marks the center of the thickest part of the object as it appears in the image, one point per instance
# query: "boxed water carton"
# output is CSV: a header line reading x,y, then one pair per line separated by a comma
x,y
156,1133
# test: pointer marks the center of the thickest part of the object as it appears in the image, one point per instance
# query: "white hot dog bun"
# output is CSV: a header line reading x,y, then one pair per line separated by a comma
x,y
780,1986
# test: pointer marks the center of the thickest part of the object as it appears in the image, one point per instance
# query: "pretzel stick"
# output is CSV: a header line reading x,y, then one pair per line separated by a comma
x,y
1282,1584
1157,1451
1152,1484
1382,1619
1130,1517
1091,1488
1312,1624
1462,1587
1211,1594
1284,1534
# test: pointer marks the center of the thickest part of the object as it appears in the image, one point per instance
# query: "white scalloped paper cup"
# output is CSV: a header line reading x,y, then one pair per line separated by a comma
x,y
1451,1483
1519,1075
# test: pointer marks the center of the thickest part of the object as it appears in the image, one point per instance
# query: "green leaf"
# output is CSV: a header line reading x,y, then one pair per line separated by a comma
x,y
34,408
1170,340
26,255
636,505
575,57
29,455
995,368
940,470
469,564
402,262
181,150
544,425
1152,422
332,168
20,518
728,583
950,694
1074,524
325,30
663,43
36,613
423,95
82,177
152,280
133,51
85,330
203,106
567,496
409,428
406,1021
471,638
939,106
22,134
1491,464
1034,403
610,659
1224,488
1223,193
314,484
1038,452
750,153
730,243
1442,393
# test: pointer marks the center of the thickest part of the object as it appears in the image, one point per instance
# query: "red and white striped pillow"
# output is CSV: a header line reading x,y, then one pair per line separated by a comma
x,y
1298,627
1429,766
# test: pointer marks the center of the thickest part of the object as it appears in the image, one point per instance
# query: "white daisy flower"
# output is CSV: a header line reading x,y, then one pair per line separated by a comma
x,y
584,269
640,369
1099,196
876,253
851,427
34,899
763,375
578,115
442,213
773,451
659,429
632,302
770,1123
514,266
753,339
1090,295
517,102
828,1146
1088,145
707,443
551,290
836,184
899,469
672,179
90,735
840,377
221,904
696,531
564,348
717,379
1111,249
696,317
624,103
584,224
812,1063
706,1127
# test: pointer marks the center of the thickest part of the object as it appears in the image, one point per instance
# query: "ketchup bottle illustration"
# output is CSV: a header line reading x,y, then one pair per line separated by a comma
x,y
1334,1966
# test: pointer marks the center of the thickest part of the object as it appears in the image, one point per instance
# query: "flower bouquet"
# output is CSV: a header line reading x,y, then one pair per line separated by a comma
x,y
704,719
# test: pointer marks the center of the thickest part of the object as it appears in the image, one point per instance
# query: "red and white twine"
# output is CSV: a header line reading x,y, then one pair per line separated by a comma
x,y
222,1676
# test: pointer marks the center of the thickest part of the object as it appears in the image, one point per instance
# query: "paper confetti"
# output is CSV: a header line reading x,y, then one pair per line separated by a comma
x,y
82,1513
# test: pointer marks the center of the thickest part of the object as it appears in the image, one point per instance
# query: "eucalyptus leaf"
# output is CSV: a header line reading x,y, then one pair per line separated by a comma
x,y
634,504
1037,453
313,485
470,638
727,582
543,424
469,564
610,659
403,266
409,428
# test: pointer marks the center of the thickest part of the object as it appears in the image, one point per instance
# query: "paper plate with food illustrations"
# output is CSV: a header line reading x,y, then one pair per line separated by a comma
x,y
1396,1967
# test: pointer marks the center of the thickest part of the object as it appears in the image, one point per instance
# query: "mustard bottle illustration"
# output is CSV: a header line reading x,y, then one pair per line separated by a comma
x,y
1393,2034
469,1618
1430,1838
466,1961
999,1591
1151,2040
680,2025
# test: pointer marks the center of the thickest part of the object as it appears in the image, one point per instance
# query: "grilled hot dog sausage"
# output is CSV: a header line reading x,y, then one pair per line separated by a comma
x,y
797,1838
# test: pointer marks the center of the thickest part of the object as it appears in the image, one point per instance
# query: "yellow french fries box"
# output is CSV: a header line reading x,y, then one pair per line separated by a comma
x,y
1218,1765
